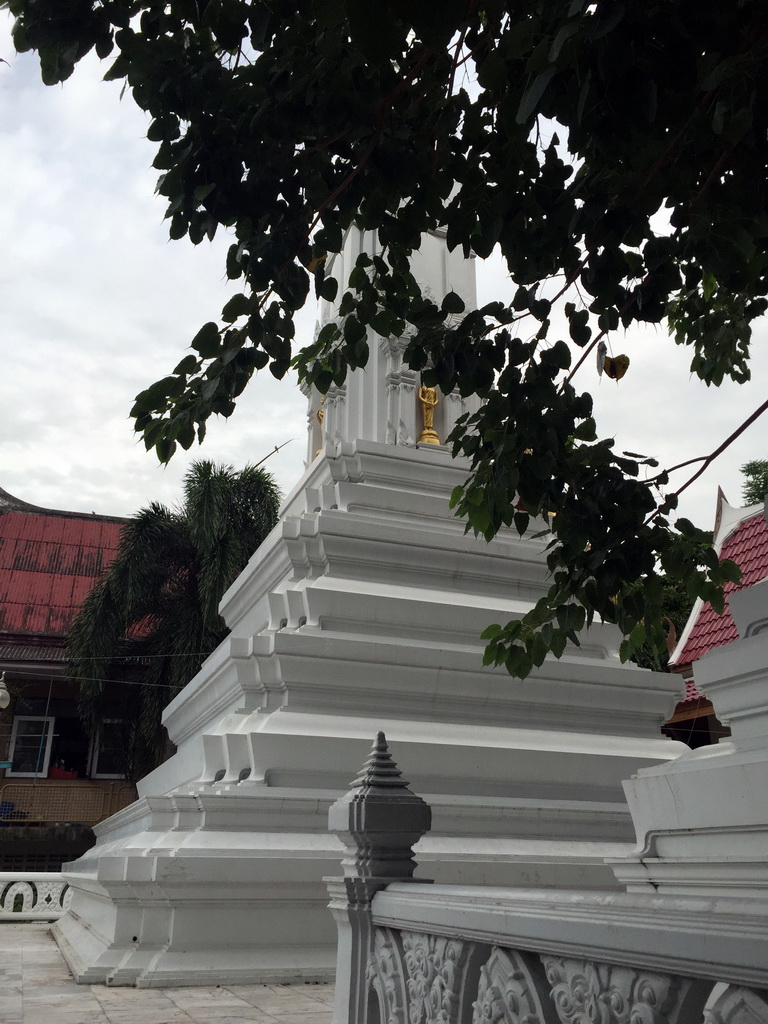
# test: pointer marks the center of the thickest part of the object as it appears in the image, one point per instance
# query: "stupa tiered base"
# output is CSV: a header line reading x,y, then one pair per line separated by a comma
x,y
362,611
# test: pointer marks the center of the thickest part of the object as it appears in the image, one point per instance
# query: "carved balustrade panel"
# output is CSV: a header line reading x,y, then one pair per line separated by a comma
x,y
417,978
44,898
585,992
385,978
739,1006
435,967
513,990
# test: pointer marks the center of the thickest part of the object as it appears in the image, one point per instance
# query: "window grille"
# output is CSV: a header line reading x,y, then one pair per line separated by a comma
x,y
75,803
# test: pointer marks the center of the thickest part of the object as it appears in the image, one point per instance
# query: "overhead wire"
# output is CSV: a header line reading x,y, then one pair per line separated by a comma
x,y
91,679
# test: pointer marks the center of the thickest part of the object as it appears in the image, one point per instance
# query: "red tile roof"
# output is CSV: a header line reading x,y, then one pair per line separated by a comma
x,y
691,692
49,561
747,546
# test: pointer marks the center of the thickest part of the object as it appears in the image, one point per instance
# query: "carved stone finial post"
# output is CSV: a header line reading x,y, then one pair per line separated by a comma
x,y
378,822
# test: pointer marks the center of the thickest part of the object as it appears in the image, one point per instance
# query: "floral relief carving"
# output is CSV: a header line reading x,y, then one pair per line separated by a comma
x,y
435,968
739,1006
507,992
385,975
584,992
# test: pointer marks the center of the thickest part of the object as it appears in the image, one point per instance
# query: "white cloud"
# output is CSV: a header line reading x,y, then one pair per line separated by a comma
x,y
96,303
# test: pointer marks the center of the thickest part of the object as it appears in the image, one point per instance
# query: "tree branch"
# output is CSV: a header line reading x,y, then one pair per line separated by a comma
x,y
707,460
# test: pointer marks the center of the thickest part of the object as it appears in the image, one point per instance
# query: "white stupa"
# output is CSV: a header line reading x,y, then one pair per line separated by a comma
x,y
363,611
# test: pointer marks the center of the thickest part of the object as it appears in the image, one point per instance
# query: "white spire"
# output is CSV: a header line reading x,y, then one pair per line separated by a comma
x,y
380,402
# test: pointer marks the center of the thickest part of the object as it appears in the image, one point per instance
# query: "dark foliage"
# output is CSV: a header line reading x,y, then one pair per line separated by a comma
x,y
154,616
614,153
755,485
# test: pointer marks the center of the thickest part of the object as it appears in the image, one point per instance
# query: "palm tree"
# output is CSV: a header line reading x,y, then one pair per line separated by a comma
x,y
153,617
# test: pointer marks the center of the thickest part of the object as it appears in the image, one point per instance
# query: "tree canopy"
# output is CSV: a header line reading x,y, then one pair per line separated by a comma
x,y
755,485
614,153
154,615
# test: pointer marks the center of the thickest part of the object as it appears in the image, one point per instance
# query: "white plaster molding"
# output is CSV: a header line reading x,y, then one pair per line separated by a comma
x,y
708,938
749,608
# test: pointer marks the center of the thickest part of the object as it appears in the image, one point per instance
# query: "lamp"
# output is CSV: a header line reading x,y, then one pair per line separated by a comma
x,y
5,697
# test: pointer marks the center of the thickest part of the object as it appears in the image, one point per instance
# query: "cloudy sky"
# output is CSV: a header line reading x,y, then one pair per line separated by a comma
x,y
96,303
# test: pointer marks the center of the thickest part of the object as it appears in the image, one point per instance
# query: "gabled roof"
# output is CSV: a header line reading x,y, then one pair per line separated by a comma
x,y
742,536
49,561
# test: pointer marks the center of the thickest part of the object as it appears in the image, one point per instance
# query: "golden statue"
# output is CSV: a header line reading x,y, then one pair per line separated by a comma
x,y
428,399
320,416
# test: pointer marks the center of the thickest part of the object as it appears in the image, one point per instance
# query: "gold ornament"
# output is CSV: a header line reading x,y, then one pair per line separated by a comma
x,y
428,398
320,416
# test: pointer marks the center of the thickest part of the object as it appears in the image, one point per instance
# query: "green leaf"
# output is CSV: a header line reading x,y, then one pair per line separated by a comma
x,y
518,662
329,289
384,322
452,303
189,364
203,191
207,341
330,238
328,334
566,32
165,449
557,643
375,30
533,94
119,69
539,650
354,331
456,495
730,571
490,632
239,305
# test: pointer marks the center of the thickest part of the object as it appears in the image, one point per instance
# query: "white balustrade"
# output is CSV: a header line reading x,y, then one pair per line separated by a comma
x,y
469,955
415,953
32,895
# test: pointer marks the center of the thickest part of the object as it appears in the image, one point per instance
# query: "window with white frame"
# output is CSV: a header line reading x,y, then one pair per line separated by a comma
x,y
30,752
108,750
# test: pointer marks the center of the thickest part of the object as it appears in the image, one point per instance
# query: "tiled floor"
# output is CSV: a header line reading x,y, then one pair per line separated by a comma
x,y
36,988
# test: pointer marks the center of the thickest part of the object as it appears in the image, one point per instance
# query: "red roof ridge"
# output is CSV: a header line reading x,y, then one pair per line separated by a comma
x,y
728,519
741,535
10,503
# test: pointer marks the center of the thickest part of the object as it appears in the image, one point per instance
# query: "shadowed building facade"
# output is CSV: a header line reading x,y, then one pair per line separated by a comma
x,y
57,779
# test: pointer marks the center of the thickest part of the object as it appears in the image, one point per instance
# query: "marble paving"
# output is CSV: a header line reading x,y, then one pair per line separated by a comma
x,y
36,988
